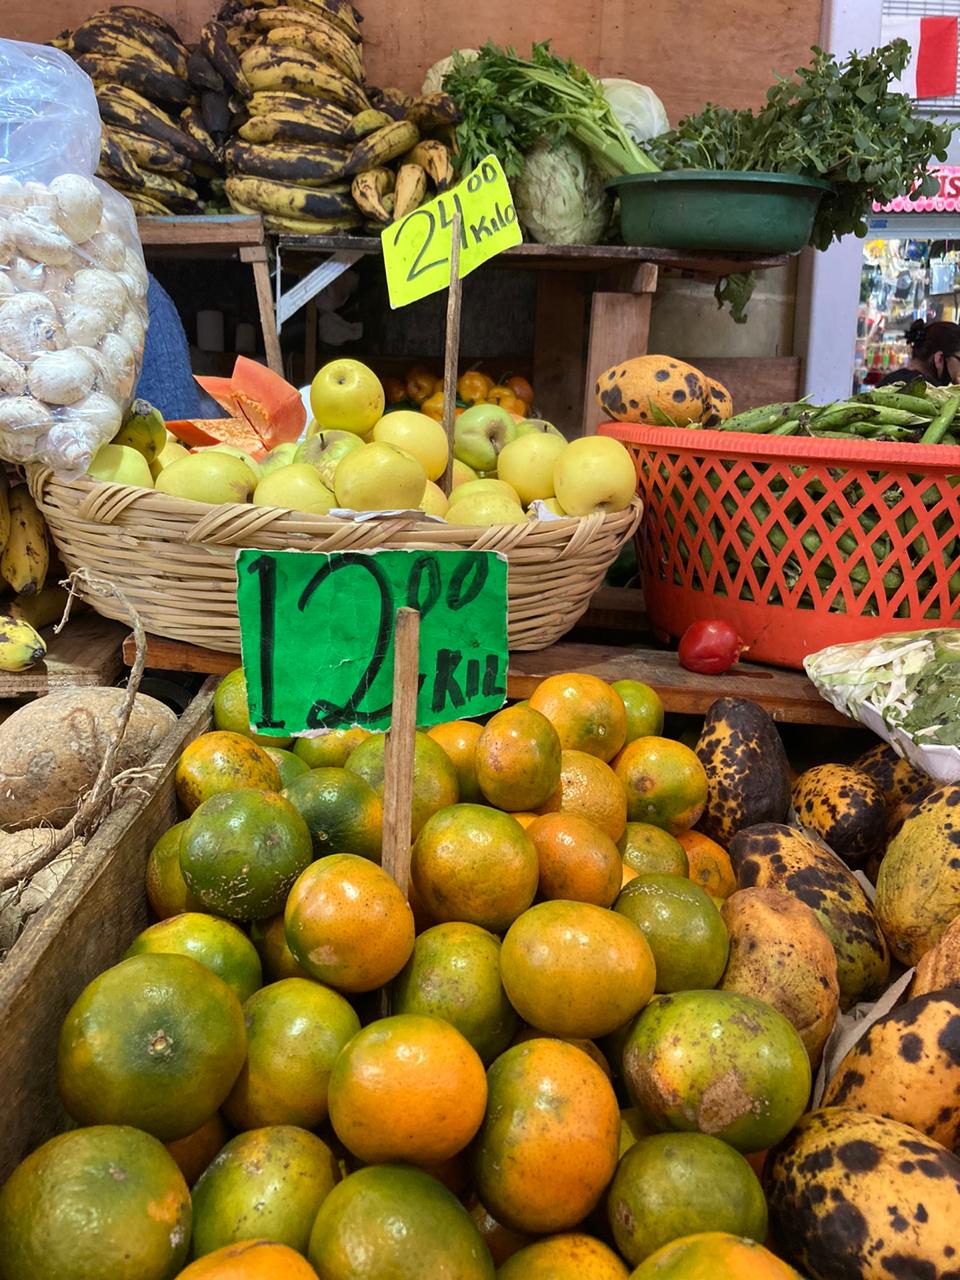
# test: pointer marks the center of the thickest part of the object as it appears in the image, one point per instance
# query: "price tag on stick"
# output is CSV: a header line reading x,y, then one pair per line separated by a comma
x,y
416,250
318,632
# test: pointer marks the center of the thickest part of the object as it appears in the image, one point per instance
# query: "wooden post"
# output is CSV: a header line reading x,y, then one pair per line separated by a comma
x,y
256,257
451,360
398,756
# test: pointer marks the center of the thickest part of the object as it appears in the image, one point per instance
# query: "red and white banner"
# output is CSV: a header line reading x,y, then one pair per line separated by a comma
x,y
932,69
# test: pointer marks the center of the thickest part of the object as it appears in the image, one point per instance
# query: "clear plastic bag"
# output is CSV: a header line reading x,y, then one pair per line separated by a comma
x,y
73,285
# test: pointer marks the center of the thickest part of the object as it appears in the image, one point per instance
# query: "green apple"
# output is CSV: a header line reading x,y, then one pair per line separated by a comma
x,y
279,456
480,433
297,487
324,451
419,435
237,453
209,476
121,464
537,426
347,396
170,452
486,486
594,474
527,464
462,474
485,509
379,477
434,500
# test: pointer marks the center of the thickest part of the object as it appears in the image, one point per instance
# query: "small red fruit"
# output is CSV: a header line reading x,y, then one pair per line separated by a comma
x,y
710,648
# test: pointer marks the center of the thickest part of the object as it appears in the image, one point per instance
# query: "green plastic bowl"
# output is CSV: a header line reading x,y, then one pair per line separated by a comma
x,y
711,209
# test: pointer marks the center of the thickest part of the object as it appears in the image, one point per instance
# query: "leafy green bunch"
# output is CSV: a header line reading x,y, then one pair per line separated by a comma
x,y
509,103
837,121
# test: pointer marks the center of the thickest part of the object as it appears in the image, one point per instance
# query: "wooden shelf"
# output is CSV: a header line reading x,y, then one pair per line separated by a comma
x,y
87,652
200,236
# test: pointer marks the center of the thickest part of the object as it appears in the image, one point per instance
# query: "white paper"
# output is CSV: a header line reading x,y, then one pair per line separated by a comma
x,y
849,1030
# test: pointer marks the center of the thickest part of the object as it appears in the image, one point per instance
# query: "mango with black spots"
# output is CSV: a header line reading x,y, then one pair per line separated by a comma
x,y
918,885
901,782
907,1067
748,774
940,966
780,953
721,403
772,856
844,807
659,391
859,1197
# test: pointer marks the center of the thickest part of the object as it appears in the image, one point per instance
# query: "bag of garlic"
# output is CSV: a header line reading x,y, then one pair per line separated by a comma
x,y
73,284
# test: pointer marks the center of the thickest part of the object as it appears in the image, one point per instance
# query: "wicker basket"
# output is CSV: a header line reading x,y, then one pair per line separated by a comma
x,y
174,559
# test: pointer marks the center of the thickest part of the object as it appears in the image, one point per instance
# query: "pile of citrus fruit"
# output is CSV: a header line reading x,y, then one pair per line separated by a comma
x,y
545,1062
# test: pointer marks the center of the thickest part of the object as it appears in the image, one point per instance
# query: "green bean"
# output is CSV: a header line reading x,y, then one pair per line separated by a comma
x,y
896,400
942,422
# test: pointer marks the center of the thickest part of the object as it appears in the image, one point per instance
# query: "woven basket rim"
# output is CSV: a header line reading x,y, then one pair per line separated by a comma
x,y
942,458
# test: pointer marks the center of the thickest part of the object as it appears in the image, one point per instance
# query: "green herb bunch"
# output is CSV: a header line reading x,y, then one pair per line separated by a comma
x,y
508,103
837,121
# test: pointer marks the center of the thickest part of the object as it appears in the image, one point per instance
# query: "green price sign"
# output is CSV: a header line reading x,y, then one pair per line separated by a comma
x,y
416,250
317,635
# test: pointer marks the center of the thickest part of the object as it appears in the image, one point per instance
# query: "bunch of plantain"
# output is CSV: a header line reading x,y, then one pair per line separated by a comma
x,y
24,558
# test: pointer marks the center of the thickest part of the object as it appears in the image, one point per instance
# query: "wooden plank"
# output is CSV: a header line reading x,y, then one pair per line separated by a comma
x,y
84,928
619,329
787,695
616,609
87,652
559,346
212,232
754,381
268,315
174,655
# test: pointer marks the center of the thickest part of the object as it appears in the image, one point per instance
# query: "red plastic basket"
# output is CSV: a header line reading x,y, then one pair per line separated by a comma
x,y
798,543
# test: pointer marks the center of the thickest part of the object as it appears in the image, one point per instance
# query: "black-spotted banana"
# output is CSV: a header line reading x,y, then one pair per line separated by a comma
x,y
20,645
147,77
278,67
370,190
127,109
329,45
364,123
150,153
393,101
4,511
341,15
410,191
26,556
312,166
290,199
145,17
116,164
176,195
191,122
314,19
114,35
315,226
387,144
293,126
42,609
435,158
432,110
221,55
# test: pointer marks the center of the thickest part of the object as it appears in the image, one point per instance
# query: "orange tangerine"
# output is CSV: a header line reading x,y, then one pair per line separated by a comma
x,y
665,783
577,860
503,1242
270,939
167,890
565,1257
434,776
518,759
525,819
710,865
222,761
589,1047
219,945
330,750
194,1152
250,1260
586,712
231,710
643,706
592,789
459,740
652,851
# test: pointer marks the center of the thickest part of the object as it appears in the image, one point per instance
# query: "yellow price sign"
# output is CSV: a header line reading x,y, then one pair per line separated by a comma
x,y
416,250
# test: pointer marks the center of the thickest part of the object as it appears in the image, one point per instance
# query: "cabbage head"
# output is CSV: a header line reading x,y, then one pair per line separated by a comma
x,y
560,197
637,108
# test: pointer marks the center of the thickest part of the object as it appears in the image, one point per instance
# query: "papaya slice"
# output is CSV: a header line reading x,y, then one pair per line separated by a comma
x,y
254,395
200,433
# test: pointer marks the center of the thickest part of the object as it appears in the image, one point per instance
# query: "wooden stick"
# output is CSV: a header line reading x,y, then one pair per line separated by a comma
x,y
398,759
451,359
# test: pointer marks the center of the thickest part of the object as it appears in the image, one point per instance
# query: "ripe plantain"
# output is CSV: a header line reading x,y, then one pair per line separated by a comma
x,y
293,126
26,555
314,166
202,74
4,512
364,123
392,101
116,35
277,67
386,144
290,199
192,123
329,45
126,109
149,153
145,17
116,163
435,158
313,19
313,226
20,646
410,192
341,15
218,51
431,110
144,76
369,191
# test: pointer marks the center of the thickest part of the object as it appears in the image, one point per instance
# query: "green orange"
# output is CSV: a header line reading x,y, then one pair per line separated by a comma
x,y
266,1184
104,1203
665,783
348,924
459,740
389,1222
685,930
518,759
194,1152
241,852
157,1042
295,1030
222,761
341,809
650,850
270,939
709,863
586,712
643,706
289,765
573,1256
434,777
672,1185
454,974
218,944
167,890
503,1242
474,864
231,710
329,750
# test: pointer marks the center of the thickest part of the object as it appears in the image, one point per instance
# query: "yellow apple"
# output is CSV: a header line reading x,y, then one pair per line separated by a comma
x,y
418,435
379,477
486,486
594,474
280,455
485,509
434,500
532,426
209,476
462,474
297,487
480,433
325,449
170,452
237,453
347,396
121,464
527,464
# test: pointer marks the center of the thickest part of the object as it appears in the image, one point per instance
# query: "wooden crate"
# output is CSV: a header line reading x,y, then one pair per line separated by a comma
x,y
84,928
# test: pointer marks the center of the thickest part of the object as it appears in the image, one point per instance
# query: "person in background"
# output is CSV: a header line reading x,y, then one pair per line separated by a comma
x,y
936,354
166,377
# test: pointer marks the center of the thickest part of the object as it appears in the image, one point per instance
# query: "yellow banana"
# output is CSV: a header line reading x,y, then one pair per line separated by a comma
x,y
410,192
4,511
278,67
369,191
364,123
20,646
341,226
383,146
435,158
43,609
329,45
26,556
290,199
